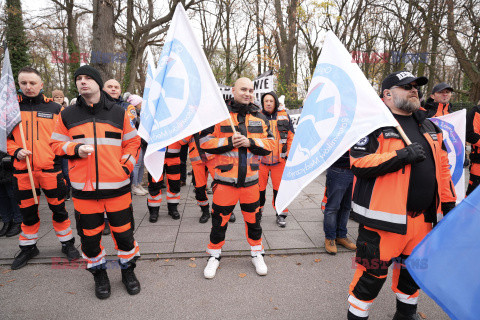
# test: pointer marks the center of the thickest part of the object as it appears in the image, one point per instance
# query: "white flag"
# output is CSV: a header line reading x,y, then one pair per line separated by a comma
x,y
341,108
183,97
453,127
9,108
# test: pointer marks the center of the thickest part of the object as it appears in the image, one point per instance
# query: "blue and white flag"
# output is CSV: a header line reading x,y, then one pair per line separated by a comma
x,y
445,264
183,98
9,108
453,127
341,107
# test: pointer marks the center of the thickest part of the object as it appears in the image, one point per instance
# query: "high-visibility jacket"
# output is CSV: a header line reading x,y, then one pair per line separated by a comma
x,y
107,127
39,115
282,130
473,135
436,109
239,166
382,178
195,152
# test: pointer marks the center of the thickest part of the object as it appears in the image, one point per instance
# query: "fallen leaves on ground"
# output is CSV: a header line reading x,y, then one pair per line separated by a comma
x,y
11,280
70,292
317,260
275,308
423,315
328,281
192,265
299,264
193,259
284,256
242,275
6,271
166,260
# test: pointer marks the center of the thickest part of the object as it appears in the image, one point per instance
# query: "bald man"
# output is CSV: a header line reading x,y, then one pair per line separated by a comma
x,y
112,87
237,158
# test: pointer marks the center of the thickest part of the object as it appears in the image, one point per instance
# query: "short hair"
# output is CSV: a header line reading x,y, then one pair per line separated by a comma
x,y
30,70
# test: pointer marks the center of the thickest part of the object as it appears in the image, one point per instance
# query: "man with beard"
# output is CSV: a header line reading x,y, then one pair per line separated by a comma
x,y
398,193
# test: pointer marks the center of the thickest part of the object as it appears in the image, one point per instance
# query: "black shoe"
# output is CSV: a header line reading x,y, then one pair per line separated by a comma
x,y
15,229
129,279
106,230
153,214
406,311
232,218
281,221
400,316
5,228
22,258
102,283
205,214
173,211
70,251
67,196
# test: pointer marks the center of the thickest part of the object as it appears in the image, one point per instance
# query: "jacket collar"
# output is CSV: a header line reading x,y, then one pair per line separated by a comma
x,y
104,103
40,98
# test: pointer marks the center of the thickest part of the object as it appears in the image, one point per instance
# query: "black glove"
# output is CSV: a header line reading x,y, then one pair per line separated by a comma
x,y
413,153
447,206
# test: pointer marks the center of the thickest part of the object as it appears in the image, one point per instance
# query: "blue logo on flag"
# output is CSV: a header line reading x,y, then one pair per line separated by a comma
x,y
457,147
309,145
173,112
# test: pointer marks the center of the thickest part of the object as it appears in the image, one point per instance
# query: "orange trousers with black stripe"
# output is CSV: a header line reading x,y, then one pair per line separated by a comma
x,y
200,172
276,172
224,200
90,224
376,251
53,185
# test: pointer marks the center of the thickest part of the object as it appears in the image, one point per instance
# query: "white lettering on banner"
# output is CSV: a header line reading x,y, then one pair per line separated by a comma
x,y
261,85
405,74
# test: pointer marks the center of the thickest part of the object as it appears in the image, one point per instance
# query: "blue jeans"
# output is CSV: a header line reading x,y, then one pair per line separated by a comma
x,y
9,210
339,202
139,168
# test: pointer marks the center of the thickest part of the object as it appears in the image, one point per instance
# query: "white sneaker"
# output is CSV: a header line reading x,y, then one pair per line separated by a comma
x,y
211,268
137,191
141,188
260,265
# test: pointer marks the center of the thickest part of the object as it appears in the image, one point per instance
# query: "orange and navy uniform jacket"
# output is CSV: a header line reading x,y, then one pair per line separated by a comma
x,y
239,167
195,152
435,109
382,178
39,115
473,137
282,129
107,127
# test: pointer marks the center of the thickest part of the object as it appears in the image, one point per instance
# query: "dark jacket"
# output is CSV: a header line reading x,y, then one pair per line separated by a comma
x,y
435,109
6,168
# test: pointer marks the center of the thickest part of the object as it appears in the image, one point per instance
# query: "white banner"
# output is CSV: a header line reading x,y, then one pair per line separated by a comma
x,y
262,84
341,108
183,97
453,127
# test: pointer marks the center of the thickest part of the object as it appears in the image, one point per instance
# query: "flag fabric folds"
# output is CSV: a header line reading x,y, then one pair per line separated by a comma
x,y
183,97
446,263
341,108
9,108
453,127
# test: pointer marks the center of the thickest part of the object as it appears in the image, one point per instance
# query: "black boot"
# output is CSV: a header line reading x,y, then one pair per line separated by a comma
x,y
172,211
102,283
406,311
205,214
68,247
5,228
232,218
153,214
128,277
15,229
27,253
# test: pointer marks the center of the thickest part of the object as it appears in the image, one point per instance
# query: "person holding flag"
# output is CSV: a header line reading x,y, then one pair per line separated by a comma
x,y
274,163
236,173
102,144
473,137
399,191
39,115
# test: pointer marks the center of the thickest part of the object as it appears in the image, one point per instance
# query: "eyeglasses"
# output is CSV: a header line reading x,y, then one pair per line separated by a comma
x,y
408,86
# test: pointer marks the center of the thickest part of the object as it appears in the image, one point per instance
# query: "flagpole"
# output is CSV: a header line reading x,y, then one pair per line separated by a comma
x,y
232,125
32,184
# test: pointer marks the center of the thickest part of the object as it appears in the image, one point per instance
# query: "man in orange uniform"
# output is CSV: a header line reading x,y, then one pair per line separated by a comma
x,y
202,165
172,170
274,163
473,137
39,115
103,146
399,191
236,173
438,104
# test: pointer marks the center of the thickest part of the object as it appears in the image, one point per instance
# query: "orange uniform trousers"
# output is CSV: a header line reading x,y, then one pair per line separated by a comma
x,y
90,224
201,171
376,251
276,172
53,185
225,199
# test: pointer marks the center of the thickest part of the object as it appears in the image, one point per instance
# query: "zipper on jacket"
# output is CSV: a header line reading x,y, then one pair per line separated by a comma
x,y
31,114
26,124
37,129
96,155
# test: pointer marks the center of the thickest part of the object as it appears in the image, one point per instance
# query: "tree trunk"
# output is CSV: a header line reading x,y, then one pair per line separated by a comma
x,y
103,42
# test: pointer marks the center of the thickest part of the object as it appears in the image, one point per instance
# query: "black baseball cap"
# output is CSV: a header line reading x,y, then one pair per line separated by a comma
x,y
442,86
400,78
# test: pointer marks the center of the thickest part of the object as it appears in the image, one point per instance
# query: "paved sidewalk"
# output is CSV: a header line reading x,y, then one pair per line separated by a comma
x,y
188,238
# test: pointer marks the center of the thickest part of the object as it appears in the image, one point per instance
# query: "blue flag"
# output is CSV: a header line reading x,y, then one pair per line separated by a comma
x,y
450,254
